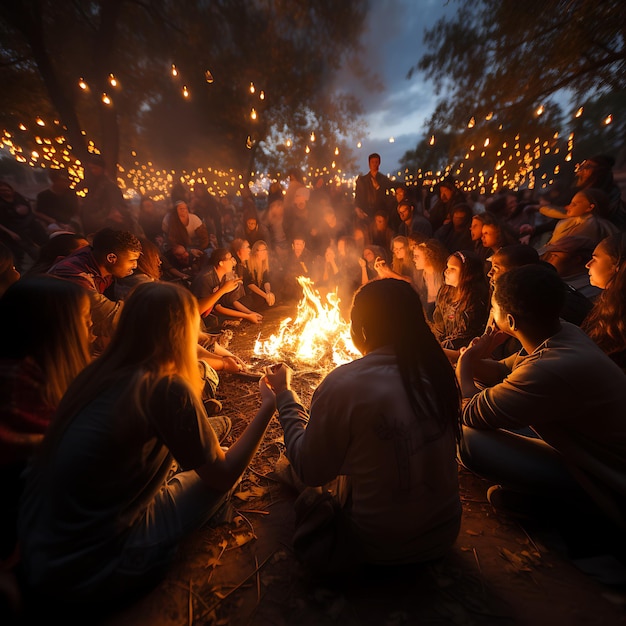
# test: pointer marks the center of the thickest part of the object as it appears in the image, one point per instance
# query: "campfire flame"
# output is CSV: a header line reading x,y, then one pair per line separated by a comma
x,y
318,335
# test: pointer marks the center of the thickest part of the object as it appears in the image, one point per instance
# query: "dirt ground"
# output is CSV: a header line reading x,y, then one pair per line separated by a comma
x,y
244,572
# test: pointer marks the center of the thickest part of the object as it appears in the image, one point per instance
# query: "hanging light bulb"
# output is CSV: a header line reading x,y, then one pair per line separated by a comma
x,y
185,91
540,110
392,139
312,136
336,151
307,149
174,70
252,88
288,143
106,99
253,114
579,112
82,84
208,76
262,95
489,115
359,144
608,119
112,80
471,123
432,140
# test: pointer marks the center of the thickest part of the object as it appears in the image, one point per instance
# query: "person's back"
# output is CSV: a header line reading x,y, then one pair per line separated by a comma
x,y
380,424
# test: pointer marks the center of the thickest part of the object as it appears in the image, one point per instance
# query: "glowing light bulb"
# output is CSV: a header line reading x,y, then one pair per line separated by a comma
x,y
288,143
486,142
208,77
185,91
253,114
82,84
489,115
106,99
174,70
336,151
22,127
252,88
432,140
471,123
262,95
307,149
608,119
40,122
359,144
579,112
112,80
392,140
312,136
540,110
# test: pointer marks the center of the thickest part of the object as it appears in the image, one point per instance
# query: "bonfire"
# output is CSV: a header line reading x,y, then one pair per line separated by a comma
x,y
318,336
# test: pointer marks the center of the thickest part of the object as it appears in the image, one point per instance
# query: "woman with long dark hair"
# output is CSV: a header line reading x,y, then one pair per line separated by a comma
x,y
462,304
606,322
383,429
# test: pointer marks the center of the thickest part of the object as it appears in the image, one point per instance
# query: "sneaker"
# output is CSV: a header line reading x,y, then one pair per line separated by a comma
x,y
212,406
519,505
221,425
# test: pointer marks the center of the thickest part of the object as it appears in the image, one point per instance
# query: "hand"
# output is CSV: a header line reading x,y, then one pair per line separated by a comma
x,y
270,299
278,377
231,364
230,285
362,262
255,318
267,393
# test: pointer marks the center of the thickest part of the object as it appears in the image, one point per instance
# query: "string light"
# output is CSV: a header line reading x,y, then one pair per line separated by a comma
x,y
106,99
174,70
208,76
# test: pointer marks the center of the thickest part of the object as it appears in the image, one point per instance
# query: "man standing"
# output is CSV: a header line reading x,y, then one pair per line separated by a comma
x,y
372,192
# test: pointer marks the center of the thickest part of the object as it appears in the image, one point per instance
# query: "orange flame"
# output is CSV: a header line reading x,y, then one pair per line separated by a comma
x,y
318,335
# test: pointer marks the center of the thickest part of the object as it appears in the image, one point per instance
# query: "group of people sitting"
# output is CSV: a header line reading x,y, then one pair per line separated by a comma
x,y
111,434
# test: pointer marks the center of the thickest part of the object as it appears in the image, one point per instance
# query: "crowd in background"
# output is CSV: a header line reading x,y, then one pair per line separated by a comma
x,y
202,264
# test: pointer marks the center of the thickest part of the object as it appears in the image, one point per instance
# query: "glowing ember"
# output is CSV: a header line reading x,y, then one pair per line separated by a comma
x,y
318,335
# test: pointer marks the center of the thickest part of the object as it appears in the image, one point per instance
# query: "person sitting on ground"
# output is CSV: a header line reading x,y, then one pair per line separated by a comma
x,y
251,229
565,389
373,257
300,262
476,233
411,221
495,234
455,234
595,172
20,230
183,228
259,289
59,246
214,279
605,323
375,428
57,207
449,196
569,256
379,231
182,264
112,255
45,338
429,258
584,217
8,273
462,304
100,491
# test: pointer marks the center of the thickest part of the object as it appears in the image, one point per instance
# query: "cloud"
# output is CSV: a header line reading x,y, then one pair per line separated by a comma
x,y
391,44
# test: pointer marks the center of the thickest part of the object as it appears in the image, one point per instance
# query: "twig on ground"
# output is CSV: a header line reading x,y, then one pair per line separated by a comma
x,y
190,605
480,569
258,580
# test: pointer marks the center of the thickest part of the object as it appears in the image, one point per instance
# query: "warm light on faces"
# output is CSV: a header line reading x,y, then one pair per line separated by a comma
x,y
490,236
183,211
298,246
419,259
452,273
445,194
476,229
125,263
602,267
497,268
579,206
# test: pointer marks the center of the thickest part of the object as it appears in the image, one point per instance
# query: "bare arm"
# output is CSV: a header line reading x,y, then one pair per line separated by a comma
x,y
222,472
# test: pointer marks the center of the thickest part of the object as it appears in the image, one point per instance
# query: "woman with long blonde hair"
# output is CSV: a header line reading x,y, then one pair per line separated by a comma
x,y
102,515
260,288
